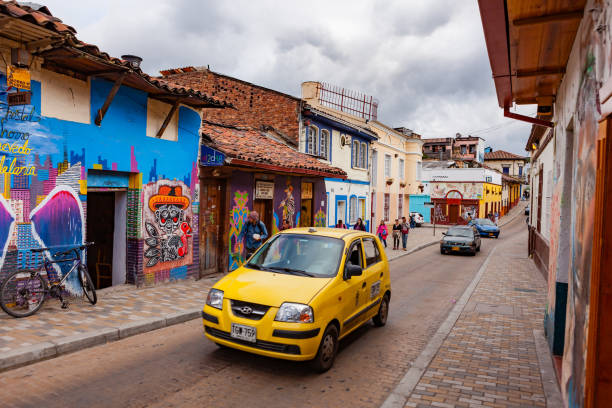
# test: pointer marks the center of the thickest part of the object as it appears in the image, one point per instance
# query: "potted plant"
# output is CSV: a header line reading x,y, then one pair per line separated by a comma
x,y
389,181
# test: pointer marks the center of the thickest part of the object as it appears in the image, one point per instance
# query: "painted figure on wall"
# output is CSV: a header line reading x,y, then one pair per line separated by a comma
x,y
288,205
320,219
238,216
167,226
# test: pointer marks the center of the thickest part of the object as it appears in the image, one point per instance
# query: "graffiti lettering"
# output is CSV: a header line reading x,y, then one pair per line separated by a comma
x,y
15,148
16,170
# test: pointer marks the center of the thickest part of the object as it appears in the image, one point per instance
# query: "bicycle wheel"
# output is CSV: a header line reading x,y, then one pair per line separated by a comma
x,y
22,293
88,286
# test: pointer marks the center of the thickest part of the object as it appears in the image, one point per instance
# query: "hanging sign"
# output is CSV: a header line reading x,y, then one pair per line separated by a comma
x,y
18,98
264,190
211,157
17,77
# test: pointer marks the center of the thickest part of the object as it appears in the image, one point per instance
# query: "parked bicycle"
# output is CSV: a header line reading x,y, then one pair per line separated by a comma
x,y
23,292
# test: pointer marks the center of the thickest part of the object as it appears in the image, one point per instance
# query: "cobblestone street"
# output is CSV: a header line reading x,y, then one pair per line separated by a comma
x,y
488,358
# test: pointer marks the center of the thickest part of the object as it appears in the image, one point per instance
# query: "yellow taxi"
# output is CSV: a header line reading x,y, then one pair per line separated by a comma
x,y
299,294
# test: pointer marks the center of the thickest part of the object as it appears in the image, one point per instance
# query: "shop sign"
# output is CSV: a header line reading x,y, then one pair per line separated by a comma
x,y
18,98
17,77
264,190
211,157
306,191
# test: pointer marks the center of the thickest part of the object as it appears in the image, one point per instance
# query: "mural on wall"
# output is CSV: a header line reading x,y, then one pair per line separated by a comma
x,y
469,212
238,216
7,226
44,166
469,191
585,159
320,219
439,214
167,217
288,205
59,223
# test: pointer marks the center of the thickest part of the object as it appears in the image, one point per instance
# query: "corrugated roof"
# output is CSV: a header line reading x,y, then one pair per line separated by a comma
x,y
255,148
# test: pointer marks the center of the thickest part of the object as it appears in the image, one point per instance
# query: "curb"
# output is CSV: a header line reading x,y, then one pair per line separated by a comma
x,y
55,348
400,394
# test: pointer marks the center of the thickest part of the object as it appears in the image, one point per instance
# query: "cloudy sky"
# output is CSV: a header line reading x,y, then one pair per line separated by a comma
x,y
424,60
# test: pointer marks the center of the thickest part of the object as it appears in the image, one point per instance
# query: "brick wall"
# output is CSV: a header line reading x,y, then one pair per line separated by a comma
x,y
255,106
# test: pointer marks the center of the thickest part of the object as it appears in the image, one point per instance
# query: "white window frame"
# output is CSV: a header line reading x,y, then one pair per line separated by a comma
x,y
363,154
324,146
387,166
353,210
354,153
312,140
401,169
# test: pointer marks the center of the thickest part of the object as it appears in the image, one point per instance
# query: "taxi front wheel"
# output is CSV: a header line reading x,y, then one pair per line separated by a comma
x,y
383,311
327,350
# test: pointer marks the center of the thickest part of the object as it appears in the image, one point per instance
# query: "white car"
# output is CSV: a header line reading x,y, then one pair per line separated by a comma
x,y
418,218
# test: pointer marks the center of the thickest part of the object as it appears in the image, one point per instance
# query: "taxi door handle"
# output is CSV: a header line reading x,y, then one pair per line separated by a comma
x,y
363,285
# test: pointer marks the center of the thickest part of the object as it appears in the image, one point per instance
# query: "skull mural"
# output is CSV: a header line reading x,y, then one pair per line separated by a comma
x,y
169,217
167,230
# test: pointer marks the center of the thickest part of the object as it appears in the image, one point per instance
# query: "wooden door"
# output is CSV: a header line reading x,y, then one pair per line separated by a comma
x,y
212,194
453,213
598,376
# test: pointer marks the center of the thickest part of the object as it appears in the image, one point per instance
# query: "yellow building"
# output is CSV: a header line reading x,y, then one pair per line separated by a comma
x,y
392,165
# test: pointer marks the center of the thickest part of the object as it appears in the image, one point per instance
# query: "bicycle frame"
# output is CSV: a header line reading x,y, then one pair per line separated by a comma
x,y
48,265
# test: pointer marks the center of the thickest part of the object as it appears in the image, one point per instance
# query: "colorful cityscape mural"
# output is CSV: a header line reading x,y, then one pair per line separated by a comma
x,y
44,165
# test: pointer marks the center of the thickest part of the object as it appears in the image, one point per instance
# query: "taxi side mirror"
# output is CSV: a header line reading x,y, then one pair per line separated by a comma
x,y
352,270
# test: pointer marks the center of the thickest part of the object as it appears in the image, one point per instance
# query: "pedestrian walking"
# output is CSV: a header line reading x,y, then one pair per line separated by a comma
x,y
397,233
496,217
412,222
382,232
359,225
340,224
405,231
253,232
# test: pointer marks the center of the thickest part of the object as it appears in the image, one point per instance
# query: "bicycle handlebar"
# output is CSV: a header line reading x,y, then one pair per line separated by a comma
x,y
83,246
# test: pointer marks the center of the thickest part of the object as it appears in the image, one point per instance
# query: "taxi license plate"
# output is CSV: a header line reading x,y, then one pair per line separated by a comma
x,y
491,234
455,248
242,332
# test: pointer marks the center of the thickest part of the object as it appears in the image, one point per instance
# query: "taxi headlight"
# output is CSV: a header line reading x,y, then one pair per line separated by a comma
x,y
215,298
294,313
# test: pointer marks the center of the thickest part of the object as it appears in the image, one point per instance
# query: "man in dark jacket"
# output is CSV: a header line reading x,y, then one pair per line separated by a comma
x,y
254,232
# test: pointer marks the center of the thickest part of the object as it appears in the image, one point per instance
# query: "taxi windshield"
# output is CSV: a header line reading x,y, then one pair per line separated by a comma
x,y
302,255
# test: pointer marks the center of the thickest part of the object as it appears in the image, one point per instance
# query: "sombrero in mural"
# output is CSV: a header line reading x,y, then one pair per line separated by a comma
x,y
168,195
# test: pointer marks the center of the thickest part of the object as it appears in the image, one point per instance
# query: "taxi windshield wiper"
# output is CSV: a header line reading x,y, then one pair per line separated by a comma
x,y
253,266
292,271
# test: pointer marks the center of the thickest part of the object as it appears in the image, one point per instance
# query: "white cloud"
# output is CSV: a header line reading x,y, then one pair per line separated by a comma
x,y
425,61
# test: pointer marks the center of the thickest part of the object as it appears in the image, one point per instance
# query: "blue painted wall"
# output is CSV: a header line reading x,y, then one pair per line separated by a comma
x,y
416,204
62,152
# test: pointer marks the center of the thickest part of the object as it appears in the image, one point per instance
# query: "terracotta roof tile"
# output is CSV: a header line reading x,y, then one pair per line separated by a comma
x,y
502,155
254,146
43,18
40,16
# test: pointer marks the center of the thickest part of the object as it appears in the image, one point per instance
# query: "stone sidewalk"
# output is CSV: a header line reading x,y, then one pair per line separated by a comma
x,y
492,356
121,312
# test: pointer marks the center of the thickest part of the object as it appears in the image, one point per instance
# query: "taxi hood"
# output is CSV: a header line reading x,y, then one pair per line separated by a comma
x,y
269,288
